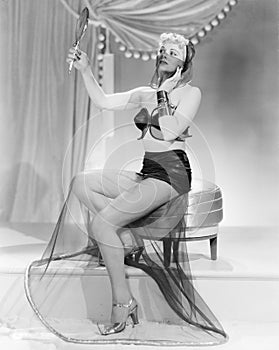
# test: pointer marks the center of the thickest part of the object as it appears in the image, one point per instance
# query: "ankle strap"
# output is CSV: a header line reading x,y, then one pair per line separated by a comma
x,y
123,305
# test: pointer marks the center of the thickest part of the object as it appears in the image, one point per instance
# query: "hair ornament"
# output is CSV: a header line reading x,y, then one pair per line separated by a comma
x,y
174,38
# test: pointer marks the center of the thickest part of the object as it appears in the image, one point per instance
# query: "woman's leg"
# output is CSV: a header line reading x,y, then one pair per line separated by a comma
x,y
134,203
97,188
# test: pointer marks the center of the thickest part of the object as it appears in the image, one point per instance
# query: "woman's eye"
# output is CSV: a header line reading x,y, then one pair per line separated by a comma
x,y
173,53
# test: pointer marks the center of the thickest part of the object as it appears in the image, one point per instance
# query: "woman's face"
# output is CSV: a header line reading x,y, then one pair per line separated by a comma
x,y
170,56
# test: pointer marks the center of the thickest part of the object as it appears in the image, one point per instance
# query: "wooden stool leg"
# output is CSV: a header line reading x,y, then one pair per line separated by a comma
x,y
167,251
213,248
175,250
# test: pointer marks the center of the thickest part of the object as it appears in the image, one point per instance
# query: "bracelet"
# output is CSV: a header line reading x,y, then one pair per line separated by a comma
x,y
163,103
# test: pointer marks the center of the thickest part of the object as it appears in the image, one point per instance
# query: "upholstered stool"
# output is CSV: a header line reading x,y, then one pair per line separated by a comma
x,y
205,211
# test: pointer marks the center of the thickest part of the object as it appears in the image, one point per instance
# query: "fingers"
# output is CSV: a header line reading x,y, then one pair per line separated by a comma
x,y
177,75
78,59
74,55
73,50
71,59
178,72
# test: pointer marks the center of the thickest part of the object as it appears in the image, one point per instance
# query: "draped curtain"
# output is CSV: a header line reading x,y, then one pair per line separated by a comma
x,y
42,106
138,23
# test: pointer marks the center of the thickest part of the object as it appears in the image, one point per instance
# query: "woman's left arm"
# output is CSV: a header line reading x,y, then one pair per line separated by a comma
x,y
173,125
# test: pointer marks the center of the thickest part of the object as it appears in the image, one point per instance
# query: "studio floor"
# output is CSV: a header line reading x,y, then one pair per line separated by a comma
x,y
241,287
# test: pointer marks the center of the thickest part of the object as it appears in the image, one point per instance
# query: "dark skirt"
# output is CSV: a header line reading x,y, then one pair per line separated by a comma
x,y
172,167
66,260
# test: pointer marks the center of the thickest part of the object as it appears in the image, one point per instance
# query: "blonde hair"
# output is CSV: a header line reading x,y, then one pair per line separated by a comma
x,y
182,42
174,38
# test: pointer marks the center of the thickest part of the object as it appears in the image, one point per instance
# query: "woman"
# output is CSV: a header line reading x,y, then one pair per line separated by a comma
x,y
126,208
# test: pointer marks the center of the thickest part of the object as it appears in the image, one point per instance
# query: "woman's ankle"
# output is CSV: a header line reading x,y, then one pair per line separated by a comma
x,y
122,299
121,295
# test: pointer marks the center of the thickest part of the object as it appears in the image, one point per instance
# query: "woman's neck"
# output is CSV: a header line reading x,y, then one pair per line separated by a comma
x,y
164,76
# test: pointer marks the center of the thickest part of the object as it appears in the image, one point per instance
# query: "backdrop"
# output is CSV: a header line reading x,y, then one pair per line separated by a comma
x,y
236,67
42,107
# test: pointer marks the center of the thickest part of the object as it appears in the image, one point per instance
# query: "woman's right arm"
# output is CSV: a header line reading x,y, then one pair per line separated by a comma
x,y
116,101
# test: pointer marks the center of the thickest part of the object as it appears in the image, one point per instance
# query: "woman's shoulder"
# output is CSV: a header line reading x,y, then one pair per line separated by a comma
x,y
189,90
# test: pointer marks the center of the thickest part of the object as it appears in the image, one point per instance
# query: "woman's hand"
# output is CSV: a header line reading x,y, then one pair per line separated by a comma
x,y
170,83
81,61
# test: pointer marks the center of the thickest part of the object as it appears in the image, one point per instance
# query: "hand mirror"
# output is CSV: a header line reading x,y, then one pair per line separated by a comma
x,y
81,27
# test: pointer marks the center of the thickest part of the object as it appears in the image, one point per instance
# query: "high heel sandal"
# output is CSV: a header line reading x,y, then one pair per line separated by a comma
x,y
120,326
134,254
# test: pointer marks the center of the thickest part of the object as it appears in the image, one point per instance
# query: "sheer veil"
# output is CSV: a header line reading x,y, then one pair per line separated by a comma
x,y
70,293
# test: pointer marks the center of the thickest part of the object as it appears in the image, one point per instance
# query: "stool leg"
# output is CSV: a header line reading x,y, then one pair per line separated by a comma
x,y
213,248
167,251
175,245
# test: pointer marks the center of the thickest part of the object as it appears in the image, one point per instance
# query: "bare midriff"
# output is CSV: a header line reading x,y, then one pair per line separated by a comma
x,y
152,145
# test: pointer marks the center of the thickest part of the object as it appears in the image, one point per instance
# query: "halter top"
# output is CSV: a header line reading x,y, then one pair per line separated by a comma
x,y
144,121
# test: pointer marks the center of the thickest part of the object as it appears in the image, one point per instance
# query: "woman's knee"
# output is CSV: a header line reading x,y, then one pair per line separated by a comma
x,y
87,181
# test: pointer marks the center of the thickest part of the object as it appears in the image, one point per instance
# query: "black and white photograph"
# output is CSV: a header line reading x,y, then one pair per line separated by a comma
x,y
139,167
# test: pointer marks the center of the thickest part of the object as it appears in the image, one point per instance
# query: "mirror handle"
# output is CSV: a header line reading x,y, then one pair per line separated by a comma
x,y
72,62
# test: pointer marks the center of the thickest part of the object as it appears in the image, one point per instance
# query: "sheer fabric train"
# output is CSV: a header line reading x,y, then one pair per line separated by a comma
x,y
64,288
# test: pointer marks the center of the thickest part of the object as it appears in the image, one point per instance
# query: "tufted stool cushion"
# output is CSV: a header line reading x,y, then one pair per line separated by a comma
x,y
205,211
